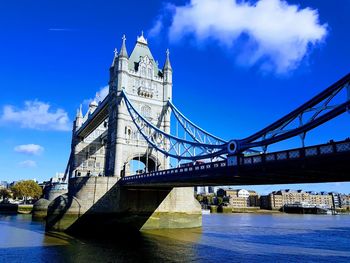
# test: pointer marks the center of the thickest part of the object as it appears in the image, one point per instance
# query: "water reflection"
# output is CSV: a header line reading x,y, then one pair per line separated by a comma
x,y
235,238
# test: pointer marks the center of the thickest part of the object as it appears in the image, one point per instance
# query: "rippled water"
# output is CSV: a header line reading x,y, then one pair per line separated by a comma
x,y
233,238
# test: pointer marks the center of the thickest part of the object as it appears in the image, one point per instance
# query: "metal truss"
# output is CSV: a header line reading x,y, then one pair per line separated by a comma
x,y
173,146
197,134
325,106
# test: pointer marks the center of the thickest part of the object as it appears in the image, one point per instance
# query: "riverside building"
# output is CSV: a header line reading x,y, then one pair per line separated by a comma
x,y
240,198
277,199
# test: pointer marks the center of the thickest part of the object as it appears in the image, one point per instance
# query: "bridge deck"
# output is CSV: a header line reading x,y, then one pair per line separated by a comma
x,y
316,164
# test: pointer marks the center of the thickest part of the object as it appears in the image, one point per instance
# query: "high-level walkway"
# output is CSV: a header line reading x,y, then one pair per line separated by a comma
x,y
314,164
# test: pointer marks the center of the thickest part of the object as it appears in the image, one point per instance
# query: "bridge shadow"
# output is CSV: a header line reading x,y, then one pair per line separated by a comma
x,y
59,207
119,211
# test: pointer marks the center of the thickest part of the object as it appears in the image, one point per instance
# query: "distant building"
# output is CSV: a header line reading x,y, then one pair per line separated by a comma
x,y
240,198
277,199
345,201
58,178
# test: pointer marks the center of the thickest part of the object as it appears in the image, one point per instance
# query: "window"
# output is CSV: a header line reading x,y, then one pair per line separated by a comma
x,y
128,132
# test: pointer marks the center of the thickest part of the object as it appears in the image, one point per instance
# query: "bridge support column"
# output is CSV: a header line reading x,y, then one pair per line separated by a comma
x,y
97,205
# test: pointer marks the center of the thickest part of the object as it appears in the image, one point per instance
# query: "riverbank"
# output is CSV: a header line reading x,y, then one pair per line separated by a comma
x,y
250,210
257,210
254,210
15,209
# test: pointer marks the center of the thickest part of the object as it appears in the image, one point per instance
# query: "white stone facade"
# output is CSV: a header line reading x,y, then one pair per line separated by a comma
x,y
110,148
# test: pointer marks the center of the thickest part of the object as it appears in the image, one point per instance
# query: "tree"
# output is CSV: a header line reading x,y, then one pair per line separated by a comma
x,y
219,200
25,189
5,193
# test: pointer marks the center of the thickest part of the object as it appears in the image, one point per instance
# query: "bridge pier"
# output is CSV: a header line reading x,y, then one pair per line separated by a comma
x,y
97,205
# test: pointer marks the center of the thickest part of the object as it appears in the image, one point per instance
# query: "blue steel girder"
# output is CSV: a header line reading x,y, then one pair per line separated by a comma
x,y
323,107
198,134
170,145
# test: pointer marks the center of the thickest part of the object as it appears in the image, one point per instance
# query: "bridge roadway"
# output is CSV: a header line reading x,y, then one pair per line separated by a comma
x,y
315,164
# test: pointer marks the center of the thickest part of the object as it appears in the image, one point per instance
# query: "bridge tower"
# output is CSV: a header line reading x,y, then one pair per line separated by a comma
x,y
104,143
149,88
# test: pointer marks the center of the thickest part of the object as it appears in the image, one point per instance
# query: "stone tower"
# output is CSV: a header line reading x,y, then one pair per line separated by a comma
x,y
108,146
148,88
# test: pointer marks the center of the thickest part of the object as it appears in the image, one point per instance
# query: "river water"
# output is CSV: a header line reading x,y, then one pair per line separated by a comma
x,y
223,238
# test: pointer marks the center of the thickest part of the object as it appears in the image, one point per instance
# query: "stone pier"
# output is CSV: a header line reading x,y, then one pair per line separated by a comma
x,y
51,192
99,205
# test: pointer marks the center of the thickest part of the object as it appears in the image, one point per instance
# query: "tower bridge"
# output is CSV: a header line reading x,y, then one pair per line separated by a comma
x,y
137,121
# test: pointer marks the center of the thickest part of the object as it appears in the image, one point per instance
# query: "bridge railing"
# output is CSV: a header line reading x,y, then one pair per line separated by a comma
x,y
311,151
299,153
179,170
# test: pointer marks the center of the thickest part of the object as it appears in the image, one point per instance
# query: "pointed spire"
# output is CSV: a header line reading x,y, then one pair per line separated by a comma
x,y
167,64
115,57
80,112
123,53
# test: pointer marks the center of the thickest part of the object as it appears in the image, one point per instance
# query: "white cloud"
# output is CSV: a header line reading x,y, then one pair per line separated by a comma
x,y
99,96
156,29
36,115
270,33
28,164
32,149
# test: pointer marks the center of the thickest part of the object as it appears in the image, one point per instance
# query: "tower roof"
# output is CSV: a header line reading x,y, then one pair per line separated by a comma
x,y
141,49
141,39
123,51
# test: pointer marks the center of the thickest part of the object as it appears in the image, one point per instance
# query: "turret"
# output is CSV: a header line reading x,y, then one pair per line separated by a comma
x,y
123,65
123,51
79,118
167,65
168,77
114,65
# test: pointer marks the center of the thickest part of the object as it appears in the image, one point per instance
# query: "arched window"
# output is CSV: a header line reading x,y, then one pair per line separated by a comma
x,y
143,71
149,72
128,132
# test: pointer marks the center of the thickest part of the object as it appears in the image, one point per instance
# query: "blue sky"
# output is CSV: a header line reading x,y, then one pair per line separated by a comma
x,y
235,71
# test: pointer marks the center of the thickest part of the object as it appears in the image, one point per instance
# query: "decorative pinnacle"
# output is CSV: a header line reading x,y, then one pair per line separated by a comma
x,y
123,52
115,57
142,39
80,112
167,61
